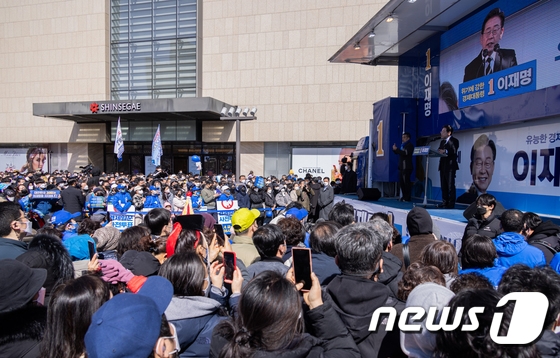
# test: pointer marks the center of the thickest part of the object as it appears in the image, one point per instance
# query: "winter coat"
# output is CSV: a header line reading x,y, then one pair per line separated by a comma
x,y
392,273
208,198
545,237
355,299
283,199
243,200
415,245
269,200
121,201
330,338
256,199
72,199
493,274
490,227
245,249
314,198
268,264
513,249
21,331
194,318
549,345
325,201
10,249
324,267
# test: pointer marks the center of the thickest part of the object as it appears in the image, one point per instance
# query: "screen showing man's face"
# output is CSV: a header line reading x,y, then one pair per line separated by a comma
x,y
482,168
492,34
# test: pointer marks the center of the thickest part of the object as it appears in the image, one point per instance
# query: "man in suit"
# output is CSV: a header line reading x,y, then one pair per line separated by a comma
x,y
448,166
491,58
405,165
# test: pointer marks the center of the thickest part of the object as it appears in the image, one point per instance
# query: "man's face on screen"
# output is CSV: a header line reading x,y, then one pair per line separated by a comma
x,y
482,168
493,32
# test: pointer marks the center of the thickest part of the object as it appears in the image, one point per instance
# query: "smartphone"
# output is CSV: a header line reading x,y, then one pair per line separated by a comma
x,y
91,248
230,262
219,231
301,258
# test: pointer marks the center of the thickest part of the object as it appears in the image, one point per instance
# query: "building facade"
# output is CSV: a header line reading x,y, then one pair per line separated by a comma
x,y
252,53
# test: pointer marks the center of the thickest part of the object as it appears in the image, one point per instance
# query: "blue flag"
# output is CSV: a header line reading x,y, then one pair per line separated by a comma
x,y
119,143
157,150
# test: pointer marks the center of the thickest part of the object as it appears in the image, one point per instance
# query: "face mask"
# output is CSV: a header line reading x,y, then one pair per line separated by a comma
x,y
30,187
24,192
325,183
175,338
29,228
140,192
86,188
481,210
43,186
269,191
10,198
71,227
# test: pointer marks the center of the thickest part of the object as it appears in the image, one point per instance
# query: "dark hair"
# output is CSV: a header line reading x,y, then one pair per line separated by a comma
x,y
521,278
358,249
384,229
397,239
478,251
448,128
88,226
49,230
156,219
187,240
483,141
268,317
531,220
448,95
70,310
342,213
9,212
58,258
134,238
493,13
321,238
292,229
470,281
186,272
406,134
416,274
478,343
486,199
512,220
267,240
442,255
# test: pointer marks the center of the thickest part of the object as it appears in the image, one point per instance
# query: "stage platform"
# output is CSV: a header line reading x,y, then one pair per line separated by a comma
x,y
449,224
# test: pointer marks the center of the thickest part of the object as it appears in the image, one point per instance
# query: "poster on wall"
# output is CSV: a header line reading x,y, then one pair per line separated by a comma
x,y
505,57
518,164
24,159
319,162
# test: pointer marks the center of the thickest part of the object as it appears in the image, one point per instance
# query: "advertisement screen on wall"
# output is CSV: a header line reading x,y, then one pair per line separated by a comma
x,y
519,164
499,61
319,162
24,159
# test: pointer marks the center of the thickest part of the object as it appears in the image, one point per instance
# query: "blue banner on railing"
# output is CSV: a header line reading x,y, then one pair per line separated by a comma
x,y
506,83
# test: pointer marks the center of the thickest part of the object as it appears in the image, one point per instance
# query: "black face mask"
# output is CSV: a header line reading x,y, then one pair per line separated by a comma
x,y
24,192
481,210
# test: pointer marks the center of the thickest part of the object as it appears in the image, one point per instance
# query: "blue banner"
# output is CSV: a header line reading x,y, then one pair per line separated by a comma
x,y
45,194
506,83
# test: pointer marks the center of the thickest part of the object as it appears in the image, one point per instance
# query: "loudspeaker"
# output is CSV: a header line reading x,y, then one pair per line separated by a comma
x,y
372,194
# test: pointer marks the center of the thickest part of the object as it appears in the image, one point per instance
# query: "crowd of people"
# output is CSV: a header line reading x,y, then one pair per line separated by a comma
x,y
72,285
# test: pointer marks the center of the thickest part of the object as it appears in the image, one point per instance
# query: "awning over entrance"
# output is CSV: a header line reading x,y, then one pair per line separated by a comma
x,y
200,108
381,42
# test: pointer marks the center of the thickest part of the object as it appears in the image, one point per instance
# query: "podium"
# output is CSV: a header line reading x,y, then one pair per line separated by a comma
x,y
428,153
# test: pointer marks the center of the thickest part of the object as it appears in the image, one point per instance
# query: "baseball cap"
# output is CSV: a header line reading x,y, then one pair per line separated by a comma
x,y
62,217
224,188
18,284
243,218
300,214
128,325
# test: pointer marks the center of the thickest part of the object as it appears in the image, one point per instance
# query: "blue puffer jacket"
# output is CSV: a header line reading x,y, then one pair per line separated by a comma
x,y
493,274
152,201
513,249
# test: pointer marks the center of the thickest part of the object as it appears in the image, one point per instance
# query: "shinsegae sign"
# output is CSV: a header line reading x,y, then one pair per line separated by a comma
x,y
115,107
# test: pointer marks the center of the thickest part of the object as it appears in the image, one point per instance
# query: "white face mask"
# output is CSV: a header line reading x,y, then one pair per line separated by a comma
x,y
86,188
43,186
29,228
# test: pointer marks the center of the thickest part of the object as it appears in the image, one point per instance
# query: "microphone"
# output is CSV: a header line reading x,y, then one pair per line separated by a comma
x,y
497,50
484,54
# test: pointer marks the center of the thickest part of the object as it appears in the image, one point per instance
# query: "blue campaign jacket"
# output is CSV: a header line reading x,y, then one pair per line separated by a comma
x,y
493,274
513,249
121,201
152,201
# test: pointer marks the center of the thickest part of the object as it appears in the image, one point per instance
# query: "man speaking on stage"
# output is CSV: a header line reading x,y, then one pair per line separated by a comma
x,y
491,58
